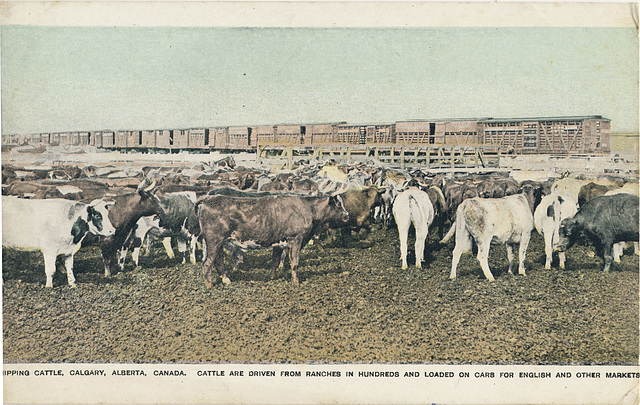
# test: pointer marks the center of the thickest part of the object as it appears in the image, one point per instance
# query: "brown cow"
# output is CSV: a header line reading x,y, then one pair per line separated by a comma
x,y
263,222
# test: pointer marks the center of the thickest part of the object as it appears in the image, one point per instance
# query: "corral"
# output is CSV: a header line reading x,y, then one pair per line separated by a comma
x,y
354,303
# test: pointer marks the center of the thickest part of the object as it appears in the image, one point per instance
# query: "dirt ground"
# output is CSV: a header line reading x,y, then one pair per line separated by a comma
x,y
354,304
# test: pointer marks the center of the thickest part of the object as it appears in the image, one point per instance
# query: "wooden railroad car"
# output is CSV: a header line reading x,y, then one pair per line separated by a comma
x,y
290,134
239,137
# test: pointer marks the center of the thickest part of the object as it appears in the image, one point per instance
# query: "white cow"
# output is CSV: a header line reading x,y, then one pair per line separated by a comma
x,y
55,226
553,209
413,206
506,220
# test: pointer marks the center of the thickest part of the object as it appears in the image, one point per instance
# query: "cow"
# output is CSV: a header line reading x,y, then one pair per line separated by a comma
x,y
618,248
124,214
263,222
571,186
591,190
549,214
602,221
485,221
54,226
142,229
413,206
359,203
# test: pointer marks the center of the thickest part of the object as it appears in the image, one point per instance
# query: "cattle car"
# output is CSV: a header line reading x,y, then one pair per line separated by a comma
x,y
198,138
556,135
218,138
290,134
415,132
240,137
321,134
265,134
148,139
457,132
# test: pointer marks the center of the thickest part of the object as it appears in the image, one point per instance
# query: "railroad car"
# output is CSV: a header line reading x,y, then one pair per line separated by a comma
x,y
541,135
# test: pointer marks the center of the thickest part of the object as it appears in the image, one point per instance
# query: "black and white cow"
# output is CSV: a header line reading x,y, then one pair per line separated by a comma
x,y
54,226
552,210
603,221
263,222
485,221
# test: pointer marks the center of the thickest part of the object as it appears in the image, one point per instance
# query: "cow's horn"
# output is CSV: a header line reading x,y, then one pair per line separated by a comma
x,y
151,186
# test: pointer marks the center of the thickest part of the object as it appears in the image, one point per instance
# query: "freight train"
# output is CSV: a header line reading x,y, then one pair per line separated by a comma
x,y
542,135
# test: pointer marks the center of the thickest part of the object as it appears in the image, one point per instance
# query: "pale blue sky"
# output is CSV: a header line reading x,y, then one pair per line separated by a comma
x,y
90,78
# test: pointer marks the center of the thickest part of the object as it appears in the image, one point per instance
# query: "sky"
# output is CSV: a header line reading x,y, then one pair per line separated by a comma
x,y
93,78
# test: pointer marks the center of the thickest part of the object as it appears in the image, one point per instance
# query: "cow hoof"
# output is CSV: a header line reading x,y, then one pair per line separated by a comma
x,y
404,267
225,280
418,266
49,285
73,286
617,260
491,279
452,277
549,267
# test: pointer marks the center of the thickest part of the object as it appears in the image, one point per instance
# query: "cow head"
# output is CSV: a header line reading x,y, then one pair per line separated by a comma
x,y
570,232
533,194
98,218
342,213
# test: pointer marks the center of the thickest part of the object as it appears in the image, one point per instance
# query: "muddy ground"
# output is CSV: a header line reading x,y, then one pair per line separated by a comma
x,y
354,304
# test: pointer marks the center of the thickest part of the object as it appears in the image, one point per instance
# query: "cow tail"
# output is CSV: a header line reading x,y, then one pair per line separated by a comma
x,y
449,234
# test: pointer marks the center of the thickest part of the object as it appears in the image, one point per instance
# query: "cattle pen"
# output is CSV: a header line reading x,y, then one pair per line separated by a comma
x,y
354,302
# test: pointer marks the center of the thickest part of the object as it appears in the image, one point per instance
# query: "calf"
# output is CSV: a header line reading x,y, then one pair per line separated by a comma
x,y
506,220
54,226
413,206
263,222
603,221
551,211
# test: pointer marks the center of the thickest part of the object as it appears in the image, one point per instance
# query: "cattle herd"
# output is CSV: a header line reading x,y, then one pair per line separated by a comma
x,y
224,207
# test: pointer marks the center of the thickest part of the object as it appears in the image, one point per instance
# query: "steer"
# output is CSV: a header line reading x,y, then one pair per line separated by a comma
x,y
54,226
413,205
506,220
128,209
551,211
603,221
263,222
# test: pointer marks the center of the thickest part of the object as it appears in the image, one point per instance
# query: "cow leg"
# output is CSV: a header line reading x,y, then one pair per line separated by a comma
x,y
463,244
135,255
617,250
122,257
71,278
522,252
483,258
510,257
294,250
106,259
182,248
421,237
562,257
194,244
608,257
215,257
548,250
166,242
316,241
403,230
277,260
49,267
